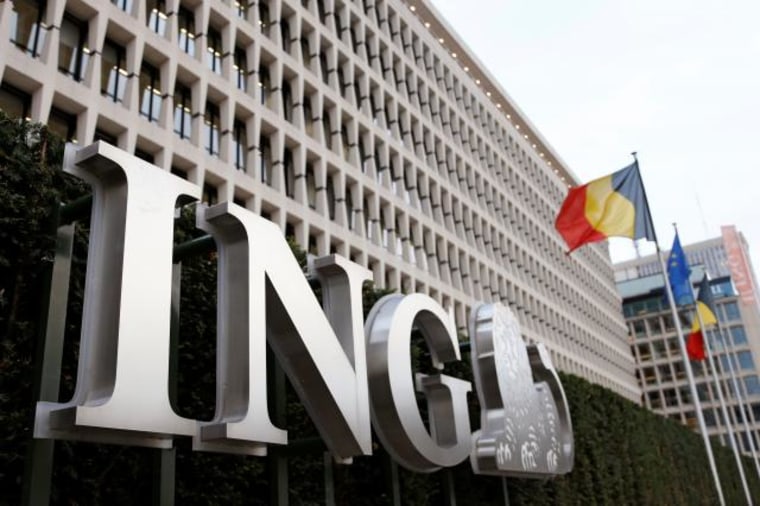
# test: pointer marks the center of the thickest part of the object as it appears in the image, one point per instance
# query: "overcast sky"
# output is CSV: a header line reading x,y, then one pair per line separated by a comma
x,y
676,80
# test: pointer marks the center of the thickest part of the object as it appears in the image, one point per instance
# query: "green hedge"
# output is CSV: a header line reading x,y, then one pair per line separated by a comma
x,y
624,454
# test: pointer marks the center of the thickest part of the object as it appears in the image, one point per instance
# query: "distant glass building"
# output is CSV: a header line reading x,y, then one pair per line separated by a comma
x,y
654,344
365,128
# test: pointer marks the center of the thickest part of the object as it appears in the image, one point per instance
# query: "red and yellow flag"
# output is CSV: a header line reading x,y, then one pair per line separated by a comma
x,y
614,205
695,342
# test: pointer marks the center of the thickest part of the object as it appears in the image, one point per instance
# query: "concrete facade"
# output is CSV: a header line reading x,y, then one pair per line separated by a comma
x,y
364,128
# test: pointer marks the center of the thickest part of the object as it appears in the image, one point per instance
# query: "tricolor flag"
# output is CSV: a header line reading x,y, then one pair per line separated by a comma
x,y
695,342
613,205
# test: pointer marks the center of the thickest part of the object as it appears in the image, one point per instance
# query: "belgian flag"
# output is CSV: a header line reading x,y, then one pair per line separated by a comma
x,y
613,205
695,342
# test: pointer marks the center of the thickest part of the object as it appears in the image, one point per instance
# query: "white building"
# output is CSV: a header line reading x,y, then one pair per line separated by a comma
x,y
365,128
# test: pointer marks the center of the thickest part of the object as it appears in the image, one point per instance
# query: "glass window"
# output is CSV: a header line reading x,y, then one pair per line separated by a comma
x,y
264,20
240,66
285,35
665,373
186,25
62,124
125,5
745,360
265,155
330,195
265,83
311,187
290,173
732,311
654,400
644,353
241,8
113,73
211,129
210,194
659,349
27,29
287,101
214,51
639,330
655,326
752,383
738,335
183,115
240,140
14,102
150,90
73,52
157,16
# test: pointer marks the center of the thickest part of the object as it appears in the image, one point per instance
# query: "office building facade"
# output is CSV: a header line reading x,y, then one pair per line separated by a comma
x,y
735,341
364,128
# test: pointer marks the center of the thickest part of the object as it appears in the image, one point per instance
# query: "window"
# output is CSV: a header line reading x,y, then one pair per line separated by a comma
x,y
305,52
327,128
290,173
14,102
324,71
182,112
308,117
265,155
745,360
264,20
157,16
73,52
240,141
214,51
113,73
285,35
330,195
125,5
240,66
27,29
150,89
732,311
210,194
211,129
311,187
638,328
753,385
287,101
241,8
186,25
265,83
63,124
738,335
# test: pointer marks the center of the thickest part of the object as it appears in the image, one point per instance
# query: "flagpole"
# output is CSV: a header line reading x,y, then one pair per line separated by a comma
x,y
721,399
690,377
740,397
682,347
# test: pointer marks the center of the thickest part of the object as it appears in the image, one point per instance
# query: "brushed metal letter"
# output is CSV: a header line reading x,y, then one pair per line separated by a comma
x,y
121,394
395,415
264,295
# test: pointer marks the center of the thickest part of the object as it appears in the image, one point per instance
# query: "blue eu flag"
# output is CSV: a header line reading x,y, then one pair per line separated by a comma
x,y
678,274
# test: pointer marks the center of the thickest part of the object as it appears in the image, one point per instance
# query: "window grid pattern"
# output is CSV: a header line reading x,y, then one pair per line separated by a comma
x,y
661,373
